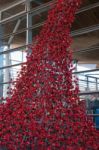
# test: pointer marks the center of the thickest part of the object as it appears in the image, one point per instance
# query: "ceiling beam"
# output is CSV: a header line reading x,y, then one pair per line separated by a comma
x,y
89,7
74,33
24,46
87,49
85,30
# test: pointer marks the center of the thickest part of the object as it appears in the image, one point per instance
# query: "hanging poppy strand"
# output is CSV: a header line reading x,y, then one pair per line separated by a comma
x,y
45,111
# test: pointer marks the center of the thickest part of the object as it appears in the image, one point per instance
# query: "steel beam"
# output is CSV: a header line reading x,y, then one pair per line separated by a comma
x,y
14,31
1,61
75,33
18,2
85,30
39,9
87,49
14,17
3,83
28,23
89,7
93,70
42,7
24,46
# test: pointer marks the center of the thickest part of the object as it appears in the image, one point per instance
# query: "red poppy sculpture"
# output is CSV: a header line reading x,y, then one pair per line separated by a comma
x,y
44,111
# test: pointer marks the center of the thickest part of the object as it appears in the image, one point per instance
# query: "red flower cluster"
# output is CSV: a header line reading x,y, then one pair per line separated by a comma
x,y
44,111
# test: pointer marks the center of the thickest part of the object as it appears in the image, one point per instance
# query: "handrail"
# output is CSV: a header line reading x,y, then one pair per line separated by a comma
x,y
88,93
87,81
87,75
85,71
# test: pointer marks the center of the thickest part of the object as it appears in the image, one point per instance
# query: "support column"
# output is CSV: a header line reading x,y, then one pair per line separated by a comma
x,y
7,75
1,61
29,24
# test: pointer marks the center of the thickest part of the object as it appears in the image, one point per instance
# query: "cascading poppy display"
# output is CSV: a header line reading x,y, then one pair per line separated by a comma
x,y
44,111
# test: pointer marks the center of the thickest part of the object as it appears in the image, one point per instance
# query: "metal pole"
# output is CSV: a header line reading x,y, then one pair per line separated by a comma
x,y
14,31
6,73
29,24
1,62
86,71
87,83
96,84
8,61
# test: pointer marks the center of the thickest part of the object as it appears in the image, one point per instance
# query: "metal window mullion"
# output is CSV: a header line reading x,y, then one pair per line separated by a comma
x,y
37,10
73,33
13,50
28,24
10,66
96,84
13,17
23,30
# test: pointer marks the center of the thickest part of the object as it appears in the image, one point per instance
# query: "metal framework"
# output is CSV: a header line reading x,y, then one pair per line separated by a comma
x,y
28,14
38,10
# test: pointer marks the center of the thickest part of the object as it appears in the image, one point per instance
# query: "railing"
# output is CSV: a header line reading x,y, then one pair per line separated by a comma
x,y
88,81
